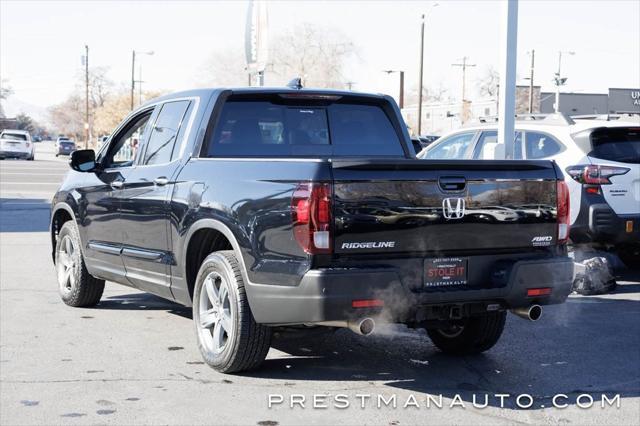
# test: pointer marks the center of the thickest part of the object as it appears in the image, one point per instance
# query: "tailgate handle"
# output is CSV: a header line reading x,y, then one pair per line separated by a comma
x,y
452,183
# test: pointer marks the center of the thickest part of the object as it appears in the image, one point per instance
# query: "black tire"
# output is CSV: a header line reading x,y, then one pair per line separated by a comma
x,y
247,345
478,334
81,289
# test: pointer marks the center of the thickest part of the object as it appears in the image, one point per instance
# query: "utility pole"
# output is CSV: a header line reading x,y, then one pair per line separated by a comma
x,y
420,81
533,56
140,84
133,75
464,66
401,95
350,85
86,93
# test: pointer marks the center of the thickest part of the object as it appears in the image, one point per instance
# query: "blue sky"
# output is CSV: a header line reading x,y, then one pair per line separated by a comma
x,y
41,42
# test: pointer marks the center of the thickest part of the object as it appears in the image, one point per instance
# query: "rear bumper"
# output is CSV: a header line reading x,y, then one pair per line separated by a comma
x,y
15,154
327,294
599,223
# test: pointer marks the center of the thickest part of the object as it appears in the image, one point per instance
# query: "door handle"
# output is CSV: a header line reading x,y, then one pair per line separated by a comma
x,y
161,181
117,184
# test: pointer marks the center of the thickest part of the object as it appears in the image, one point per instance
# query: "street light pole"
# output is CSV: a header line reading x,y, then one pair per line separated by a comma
x,y
133,72
507,95
86,93
533,55
421,67
420,80
401,94
560,81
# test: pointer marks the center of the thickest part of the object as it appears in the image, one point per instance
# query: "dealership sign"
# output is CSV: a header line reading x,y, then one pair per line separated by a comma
x,y
256,38
624,100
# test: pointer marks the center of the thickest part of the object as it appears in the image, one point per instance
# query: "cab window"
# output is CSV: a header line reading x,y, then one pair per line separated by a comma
x,y
123,148
453,147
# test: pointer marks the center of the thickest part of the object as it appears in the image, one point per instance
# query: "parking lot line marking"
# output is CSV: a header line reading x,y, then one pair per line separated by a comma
x,y
29,174
30,183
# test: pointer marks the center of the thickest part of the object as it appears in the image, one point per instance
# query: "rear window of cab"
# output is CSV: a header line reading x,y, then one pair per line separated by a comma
x,y
263,128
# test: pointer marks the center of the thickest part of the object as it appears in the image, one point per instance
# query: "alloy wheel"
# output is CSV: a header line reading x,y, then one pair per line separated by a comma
x,y
66,264
215,313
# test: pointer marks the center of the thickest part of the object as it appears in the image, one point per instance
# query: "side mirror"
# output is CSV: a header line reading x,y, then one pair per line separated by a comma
x,y
83,160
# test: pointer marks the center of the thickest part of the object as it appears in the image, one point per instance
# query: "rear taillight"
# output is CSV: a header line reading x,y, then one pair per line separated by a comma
x,y
311,217
28,144
562,193
595,174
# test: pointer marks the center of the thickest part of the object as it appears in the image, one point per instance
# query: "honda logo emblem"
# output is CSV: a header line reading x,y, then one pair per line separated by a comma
x,y
453,208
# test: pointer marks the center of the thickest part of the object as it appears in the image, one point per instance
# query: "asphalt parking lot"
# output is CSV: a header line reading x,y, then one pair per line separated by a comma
x,y
133,359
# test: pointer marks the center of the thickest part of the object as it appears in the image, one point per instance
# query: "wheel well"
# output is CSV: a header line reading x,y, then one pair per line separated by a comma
x,y
59,218
204,242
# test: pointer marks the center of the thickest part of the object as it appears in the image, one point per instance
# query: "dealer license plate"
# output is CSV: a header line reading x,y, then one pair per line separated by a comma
x,y
445,271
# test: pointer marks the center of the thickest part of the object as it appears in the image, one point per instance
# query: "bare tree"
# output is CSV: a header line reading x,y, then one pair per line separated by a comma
x,y
5,92
488,83
224,67
100,86
68,116
316,54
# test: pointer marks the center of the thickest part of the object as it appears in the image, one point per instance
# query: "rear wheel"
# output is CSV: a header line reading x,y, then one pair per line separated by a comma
x,y
474,335
229,338
75,285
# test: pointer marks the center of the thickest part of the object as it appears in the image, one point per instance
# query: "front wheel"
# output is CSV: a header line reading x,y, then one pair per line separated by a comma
x,y
76,286
229,338
474,335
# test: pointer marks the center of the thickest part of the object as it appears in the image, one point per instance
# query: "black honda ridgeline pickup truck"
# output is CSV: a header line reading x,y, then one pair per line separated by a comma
x,y
266,207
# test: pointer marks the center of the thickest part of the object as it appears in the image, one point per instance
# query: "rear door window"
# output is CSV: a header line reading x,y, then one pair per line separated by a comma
x,y
453,147
263,128
616,144
540,145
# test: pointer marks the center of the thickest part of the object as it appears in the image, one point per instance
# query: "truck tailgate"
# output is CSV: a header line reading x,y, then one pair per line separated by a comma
x,y
418,206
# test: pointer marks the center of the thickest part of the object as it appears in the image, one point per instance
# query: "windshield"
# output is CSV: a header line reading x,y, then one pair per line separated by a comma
x,y
14,136
67,143
621,144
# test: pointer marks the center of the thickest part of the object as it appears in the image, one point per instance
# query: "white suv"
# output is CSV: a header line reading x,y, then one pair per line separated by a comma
x,y
16,144
601,161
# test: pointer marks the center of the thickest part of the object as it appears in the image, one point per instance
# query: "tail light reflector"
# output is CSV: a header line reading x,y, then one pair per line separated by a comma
x,y
311,217
595,174
564,218
367,303
543,291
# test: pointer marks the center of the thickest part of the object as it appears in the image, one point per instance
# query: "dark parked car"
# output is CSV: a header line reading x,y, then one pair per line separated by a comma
x,y
65,147
266,207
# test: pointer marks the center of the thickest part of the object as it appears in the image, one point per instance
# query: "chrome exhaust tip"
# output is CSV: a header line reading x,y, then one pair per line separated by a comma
x,y
531,313
363,327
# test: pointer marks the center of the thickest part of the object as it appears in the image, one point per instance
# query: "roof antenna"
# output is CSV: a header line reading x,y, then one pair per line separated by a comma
x,y
296,83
